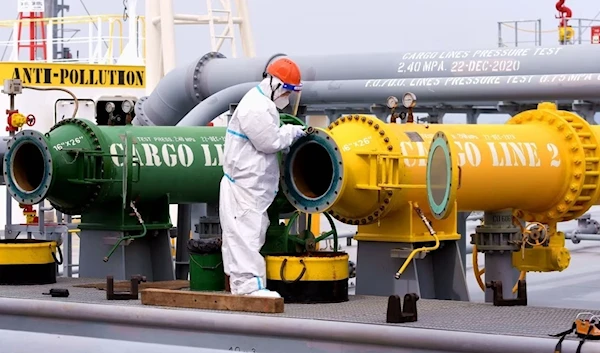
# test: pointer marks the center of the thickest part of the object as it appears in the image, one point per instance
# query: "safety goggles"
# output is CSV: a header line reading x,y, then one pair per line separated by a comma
x,y
290,87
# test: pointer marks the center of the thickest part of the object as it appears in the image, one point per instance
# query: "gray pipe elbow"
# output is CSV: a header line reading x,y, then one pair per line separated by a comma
x,y
175,95
215,105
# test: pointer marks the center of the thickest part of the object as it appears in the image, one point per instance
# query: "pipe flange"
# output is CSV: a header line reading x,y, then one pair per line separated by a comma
x,y
87,126
497,238
198,69
382,210
36,138
289,186
383,207
140,117
195,89
583,185
374,123
95,138
60,123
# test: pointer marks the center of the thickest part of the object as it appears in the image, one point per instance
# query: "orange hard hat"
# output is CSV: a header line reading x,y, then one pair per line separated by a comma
x,y
288,72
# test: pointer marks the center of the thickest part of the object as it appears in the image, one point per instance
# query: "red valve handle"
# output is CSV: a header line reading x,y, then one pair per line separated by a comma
x,y
30,120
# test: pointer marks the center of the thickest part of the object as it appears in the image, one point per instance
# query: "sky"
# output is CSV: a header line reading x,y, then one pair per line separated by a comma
x,y
352,26
349,26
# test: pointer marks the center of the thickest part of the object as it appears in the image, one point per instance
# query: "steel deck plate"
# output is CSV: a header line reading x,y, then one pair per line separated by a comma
x,y
483,318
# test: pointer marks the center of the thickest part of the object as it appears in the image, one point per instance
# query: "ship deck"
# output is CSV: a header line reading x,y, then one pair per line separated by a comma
x,y
358,325
483,318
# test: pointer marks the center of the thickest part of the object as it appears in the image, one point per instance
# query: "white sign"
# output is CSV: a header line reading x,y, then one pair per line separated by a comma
x,y
71,143
30,6
471,61
168,154
358,143
472,66
501,154
481,80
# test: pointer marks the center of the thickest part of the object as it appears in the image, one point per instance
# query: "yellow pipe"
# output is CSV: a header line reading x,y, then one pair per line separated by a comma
x,y
544,149
366,172
368,169
560,155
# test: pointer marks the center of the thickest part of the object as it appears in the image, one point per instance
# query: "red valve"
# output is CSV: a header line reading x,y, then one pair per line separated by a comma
x,y
30,120
14,120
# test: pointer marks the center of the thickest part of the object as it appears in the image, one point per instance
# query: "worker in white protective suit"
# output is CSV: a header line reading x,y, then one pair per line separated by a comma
x,y
251,179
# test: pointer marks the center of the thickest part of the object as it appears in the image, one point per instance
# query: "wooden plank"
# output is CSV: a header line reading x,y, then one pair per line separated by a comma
x,y
125,285
211,301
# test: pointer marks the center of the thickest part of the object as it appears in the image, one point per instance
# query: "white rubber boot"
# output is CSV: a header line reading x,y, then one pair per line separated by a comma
x,y
265,293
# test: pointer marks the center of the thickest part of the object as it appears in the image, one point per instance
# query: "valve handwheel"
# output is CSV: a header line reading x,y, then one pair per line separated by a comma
x,y
535,234
309,240
30,120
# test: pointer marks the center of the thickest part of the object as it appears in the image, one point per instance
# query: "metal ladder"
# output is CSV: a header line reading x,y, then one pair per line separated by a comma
x,y
217,41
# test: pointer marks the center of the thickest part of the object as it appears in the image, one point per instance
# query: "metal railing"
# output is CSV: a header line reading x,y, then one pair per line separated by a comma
x,y
99,39
524,33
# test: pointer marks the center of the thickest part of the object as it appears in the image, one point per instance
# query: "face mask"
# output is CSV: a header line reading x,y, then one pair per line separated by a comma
x,y
282,102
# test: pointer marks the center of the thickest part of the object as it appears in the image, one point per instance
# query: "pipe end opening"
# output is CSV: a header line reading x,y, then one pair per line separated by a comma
x,y
312,170
313,173
28,167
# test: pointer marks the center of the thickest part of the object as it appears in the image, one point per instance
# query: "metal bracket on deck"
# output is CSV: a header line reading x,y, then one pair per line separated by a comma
x,y
396,314
131,295
520,300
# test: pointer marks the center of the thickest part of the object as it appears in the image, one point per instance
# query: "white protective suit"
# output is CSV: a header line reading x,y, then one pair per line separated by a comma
x,y
250,184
